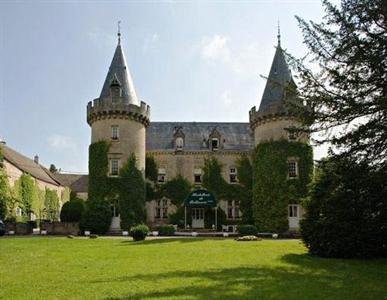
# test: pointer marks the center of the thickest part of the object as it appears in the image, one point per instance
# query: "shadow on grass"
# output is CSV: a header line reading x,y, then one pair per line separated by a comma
x,y
158,241
301,278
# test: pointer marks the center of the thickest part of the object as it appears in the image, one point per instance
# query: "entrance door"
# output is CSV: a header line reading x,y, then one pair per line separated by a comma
x,y
197,217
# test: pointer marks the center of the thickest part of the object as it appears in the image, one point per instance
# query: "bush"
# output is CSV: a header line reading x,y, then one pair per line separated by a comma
x,y
346,215
165,230
72,210
247,230
97,216
139,232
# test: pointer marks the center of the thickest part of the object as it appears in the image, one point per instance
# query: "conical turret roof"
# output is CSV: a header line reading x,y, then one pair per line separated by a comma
x,y
119,71
278,86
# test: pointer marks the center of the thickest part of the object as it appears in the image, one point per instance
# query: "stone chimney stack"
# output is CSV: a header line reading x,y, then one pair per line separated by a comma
x,y
36,159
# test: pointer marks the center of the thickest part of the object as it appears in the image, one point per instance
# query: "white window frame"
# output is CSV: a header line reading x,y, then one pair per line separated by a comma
x,y
18,212
198,172
161,209
161,176
212,144
114,164
115,133
292,172
233,174
234,208
179,143
293,211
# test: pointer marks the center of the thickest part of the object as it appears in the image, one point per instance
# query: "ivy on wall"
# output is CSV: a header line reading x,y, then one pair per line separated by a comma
x,y
131,194
244,189
97,216
272,189
176,189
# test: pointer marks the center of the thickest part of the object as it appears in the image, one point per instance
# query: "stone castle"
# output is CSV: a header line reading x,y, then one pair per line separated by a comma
x,y
180,148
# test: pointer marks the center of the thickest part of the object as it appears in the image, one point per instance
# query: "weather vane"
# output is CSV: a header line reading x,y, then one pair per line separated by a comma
x,y
119,32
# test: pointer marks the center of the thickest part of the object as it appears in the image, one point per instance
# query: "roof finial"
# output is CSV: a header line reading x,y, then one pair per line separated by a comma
x,y
119,32
279,34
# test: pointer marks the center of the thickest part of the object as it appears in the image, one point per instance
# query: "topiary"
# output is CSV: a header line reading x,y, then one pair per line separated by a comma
x,y
247,230
72,210
165,230
346,214
139,232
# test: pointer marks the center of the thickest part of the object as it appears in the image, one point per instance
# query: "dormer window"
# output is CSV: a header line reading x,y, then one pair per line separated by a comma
x,y
214,144
115,133
179,143
215,139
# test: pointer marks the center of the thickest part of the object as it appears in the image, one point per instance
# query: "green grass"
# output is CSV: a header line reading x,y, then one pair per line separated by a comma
x,y
105,268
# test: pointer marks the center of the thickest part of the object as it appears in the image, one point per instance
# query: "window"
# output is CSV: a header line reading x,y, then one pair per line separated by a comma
x,y
161,176
179,143
233,211
233,176
214,144
161,209
293,211
292,169
292,136
198,176
114,167
18,212
115,133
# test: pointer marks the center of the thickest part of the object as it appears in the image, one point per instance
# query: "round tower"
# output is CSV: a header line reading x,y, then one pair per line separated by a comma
x,y
118,117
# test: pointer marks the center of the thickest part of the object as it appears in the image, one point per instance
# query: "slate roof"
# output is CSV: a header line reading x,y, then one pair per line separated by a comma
x,y
278,82
235,136
119,68
27,165
76,182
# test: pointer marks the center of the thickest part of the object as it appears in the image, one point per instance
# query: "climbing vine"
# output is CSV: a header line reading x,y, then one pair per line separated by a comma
x,y
272,189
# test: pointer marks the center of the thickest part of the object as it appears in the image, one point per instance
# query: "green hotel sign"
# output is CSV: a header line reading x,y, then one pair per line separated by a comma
x,y
200,198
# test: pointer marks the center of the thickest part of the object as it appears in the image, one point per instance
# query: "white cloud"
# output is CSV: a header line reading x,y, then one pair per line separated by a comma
x,y
215,49
240,58
61,142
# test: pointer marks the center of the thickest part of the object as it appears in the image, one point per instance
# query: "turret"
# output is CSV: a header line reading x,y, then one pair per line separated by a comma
x,y
117,116
273,120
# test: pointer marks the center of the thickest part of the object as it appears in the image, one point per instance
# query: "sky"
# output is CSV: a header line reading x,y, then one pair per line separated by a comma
x,y
189,60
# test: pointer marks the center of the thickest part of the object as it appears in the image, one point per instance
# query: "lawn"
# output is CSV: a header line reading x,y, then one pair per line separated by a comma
x,y
117,268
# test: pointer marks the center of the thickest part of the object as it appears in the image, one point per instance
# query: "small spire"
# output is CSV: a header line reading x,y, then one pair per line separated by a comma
x,y
119,32
279,34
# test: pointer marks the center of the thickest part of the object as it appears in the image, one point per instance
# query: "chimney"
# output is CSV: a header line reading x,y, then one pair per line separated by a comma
x,y
36,159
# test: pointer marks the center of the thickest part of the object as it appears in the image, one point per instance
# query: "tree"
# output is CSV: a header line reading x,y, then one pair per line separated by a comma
x,y
346,215
213,179
51,203
53,169
72,210
151,171
177,189
347,98
131,194
245,178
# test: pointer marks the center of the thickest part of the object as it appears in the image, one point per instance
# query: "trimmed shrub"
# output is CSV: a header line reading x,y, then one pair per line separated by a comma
x,y
247,230
165,230
97,216
139,232
72,210
346,215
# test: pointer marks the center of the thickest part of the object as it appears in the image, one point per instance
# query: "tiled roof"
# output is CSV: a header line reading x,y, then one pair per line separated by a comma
x,y
27,165
277,85
234,136
77,183
119,71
